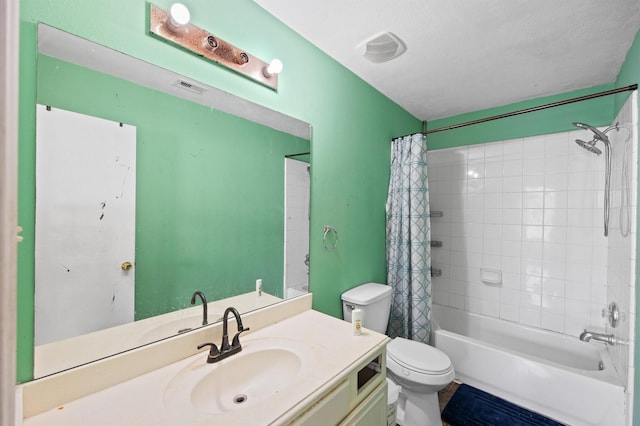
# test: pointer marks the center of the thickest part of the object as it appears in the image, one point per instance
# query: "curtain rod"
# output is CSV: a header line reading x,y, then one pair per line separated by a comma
x,y
527,110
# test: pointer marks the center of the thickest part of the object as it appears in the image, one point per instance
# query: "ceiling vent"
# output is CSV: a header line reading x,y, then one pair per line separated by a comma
x,y
382,48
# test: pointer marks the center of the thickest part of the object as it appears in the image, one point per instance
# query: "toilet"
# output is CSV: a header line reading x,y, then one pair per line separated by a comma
x,y
418,368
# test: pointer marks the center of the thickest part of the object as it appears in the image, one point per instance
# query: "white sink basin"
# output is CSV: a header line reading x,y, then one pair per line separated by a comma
x,y
265,369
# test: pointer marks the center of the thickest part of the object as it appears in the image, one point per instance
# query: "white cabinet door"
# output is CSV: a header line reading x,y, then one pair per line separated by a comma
x,y
370,412
85,224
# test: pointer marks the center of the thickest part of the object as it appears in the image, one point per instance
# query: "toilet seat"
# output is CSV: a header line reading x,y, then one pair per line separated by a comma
x,y
418,357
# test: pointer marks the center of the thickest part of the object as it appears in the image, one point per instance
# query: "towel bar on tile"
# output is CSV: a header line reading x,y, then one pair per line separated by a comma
x,y
436,272
435,243
435,213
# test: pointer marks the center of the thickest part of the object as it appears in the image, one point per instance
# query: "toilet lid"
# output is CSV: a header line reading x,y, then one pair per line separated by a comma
x,y
418,356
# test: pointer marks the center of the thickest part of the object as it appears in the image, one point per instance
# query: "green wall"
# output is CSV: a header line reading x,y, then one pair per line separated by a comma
x,y
352,126
209,190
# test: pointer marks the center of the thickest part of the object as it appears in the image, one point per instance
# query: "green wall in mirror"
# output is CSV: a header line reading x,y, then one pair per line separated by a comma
x,y
210,188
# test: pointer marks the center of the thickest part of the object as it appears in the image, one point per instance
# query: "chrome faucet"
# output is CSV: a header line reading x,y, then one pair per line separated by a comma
x,y
204,305
609,339
226,349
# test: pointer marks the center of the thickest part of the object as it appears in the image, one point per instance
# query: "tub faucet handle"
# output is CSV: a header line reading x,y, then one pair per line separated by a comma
x,y
612,314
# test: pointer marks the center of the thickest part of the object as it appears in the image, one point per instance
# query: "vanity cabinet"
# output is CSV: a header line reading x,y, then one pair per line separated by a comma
x,y
358,400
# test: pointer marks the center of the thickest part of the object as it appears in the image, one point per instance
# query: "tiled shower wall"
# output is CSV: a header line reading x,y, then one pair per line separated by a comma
x,y
532,209
296,245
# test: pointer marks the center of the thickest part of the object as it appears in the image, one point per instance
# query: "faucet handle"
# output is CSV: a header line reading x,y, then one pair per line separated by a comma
x,y
214,349
236,338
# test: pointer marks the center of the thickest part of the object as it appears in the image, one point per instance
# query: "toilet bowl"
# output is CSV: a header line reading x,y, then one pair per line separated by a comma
x,y
418,368
421,371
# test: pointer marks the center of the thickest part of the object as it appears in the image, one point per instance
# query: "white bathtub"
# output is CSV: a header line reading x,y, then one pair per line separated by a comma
x,y
558,376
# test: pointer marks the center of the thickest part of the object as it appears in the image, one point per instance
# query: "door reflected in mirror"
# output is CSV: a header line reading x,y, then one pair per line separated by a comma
x,y
211,211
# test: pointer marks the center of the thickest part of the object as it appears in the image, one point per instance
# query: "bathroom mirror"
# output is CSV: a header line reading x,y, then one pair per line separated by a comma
x,y
211,208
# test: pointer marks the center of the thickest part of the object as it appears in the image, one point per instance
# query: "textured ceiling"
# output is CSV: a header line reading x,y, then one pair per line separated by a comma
x,y
469,55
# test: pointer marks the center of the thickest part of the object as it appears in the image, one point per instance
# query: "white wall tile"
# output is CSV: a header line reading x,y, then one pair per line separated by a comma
x,y
493,199
553,287
511,249
513,150
553,322
512,167
555,217
532,208
512,200
533,183
493,184
512,232
530,317
533,166
556,144
510,296
456,301
509,312
555,234
555,199
533,200
533,147
512,184
475,153
510,265
532,233
531,266
493,169
554,269
531,284
512,216
473,305
556,182
556,164
493,151
581,200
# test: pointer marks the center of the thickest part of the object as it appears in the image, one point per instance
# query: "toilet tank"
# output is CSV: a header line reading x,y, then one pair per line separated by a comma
x,y
374,300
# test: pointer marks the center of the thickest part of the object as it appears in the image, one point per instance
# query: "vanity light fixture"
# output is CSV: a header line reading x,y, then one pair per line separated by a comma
x,y
174,26
275,67
179,17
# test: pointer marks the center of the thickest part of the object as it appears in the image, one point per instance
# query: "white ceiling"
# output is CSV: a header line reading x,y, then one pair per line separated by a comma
x,y
466,55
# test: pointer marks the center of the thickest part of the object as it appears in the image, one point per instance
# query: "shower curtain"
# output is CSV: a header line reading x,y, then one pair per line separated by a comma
x,y
408,240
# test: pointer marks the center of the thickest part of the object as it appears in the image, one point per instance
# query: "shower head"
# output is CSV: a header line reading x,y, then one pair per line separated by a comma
x,y
598,134
589,146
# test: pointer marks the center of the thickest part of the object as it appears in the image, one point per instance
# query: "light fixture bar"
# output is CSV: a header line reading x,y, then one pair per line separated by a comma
x,y
205,44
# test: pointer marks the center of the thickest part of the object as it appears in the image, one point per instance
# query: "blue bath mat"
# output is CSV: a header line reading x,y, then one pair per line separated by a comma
x,y
471,406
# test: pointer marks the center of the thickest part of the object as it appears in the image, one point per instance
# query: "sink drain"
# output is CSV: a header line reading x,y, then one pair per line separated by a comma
x,y
239,399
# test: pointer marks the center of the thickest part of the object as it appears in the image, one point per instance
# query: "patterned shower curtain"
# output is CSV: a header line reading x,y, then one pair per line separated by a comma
x,y
408,240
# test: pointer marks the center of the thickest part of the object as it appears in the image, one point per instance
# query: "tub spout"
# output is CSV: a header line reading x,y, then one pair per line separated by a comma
x,y
586,336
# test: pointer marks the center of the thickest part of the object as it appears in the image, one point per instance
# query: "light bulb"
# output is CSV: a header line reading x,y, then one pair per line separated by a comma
x,y
179,17
275,67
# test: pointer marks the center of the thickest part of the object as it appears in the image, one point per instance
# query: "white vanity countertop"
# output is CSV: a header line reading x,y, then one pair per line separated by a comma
x,y
157,397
